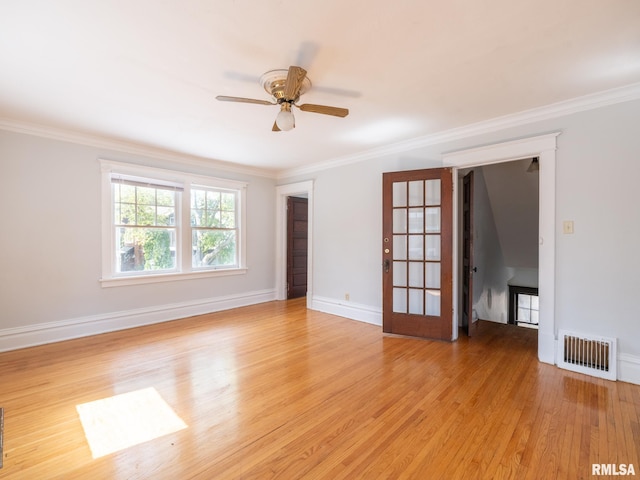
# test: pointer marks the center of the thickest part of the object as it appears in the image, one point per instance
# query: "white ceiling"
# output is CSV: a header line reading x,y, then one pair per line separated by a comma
x,y
148,71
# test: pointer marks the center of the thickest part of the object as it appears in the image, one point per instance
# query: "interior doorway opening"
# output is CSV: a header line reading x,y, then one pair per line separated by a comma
x,y
283,192
498,248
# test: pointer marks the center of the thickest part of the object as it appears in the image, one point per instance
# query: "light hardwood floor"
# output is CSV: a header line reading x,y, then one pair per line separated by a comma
x,y
276,391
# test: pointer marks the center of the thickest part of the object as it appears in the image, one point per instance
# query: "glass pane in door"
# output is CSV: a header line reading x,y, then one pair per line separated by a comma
x,y
416,218
400,194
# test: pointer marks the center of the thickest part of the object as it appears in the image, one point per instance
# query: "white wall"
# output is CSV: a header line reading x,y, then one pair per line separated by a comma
x,y
50,247
598,162
513,193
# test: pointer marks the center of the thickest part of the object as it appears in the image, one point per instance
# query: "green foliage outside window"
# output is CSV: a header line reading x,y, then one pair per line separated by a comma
x,y
138,211
146,231
213,218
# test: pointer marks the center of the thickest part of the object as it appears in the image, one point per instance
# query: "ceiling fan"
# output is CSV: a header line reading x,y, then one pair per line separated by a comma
x,y
286,86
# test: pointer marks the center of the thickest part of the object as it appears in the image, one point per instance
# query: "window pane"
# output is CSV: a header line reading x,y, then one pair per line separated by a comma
x,y
433,247
524,300
213,218
228,219
145,196
145,249
228,201
127,193
524,315
399,247
416,302
416,250
400,220
165,216
432,220
166,198
213,200
432,196
198,199
432,275
213,248
534,303
535,316
399,274
432,300
145,215
400,300
416,220
399,194
416,274
416,193
127,214
198,217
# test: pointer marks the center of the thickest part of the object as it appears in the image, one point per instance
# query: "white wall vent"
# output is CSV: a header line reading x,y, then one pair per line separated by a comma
x,y
592,355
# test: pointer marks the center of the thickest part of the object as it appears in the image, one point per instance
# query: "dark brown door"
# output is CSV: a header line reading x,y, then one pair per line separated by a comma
x,y
468,269
297,215
417,253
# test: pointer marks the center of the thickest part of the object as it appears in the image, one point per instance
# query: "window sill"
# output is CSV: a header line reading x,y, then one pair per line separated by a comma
x,y
168,277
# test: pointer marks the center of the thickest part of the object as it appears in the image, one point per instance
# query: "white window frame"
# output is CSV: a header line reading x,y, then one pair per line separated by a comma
x,y
184,269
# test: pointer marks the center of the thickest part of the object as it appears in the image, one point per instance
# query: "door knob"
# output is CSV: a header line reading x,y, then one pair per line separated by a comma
x,y
386,265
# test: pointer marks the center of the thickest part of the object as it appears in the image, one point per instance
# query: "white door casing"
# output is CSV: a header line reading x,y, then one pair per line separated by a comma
x,y
543,147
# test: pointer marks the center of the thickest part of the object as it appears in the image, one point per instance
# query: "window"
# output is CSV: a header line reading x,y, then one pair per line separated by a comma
x,y
161,225
524,307
145,227
214,227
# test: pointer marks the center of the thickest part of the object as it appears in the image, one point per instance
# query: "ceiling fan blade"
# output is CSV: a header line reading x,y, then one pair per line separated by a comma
x,y
295,76
324,109
275,128
224,98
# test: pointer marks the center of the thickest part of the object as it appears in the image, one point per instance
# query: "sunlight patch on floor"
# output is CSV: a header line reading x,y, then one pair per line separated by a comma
x,y
115,423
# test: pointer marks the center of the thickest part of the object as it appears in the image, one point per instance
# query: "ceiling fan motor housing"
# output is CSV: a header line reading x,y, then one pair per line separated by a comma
x,y
274,82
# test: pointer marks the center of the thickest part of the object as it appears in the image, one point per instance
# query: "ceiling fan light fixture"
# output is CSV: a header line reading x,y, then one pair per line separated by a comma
x,y
285,87
285,119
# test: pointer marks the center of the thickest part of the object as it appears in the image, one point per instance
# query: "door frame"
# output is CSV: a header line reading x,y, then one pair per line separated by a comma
x,y
282,193
543,147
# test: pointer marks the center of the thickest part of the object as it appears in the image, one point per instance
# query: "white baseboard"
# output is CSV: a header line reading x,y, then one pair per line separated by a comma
x,y
353,311
629,368
39,334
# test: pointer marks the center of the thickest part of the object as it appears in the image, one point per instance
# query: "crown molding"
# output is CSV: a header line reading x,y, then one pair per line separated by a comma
x,y
97,141
554,110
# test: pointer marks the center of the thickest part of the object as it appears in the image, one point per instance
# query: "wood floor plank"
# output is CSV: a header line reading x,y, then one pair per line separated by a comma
x,y
278,391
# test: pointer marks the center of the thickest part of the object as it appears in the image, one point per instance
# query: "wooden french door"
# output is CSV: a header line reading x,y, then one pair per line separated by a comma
x,y
417,253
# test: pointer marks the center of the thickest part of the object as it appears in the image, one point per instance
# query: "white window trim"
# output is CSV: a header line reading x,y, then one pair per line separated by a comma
x,y
185,272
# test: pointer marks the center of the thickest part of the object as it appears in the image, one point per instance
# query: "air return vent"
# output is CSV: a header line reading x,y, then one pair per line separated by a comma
x,y
587,354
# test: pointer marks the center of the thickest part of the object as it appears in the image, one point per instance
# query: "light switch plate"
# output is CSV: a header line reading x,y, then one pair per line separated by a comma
x,y
567,227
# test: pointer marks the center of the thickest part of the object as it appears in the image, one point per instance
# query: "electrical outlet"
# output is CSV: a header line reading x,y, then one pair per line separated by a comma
x,y
346,297
567,227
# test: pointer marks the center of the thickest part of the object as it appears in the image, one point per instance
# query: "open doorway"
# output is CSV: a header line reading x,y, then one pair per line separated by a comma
x,y
283,192
501,240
